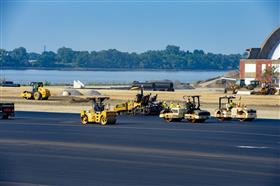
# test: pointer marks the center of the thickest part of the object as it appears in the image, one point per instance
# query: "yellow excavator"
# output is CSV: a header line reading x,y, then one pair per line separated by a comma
x,y
38,92
98,113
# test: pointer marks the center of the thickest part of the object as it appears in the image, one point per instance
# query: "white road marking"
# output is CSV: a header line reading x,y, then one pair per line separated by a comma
x,y
252,147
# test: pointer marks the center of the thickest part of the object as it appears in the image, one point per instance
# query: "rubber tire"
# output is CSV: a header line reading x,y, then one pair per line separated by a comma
x,y
37,96
84,120
243,119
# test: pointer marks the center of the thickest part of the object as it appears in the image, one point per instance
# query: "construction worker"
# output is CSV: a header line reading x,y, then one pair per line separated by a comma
x,y
189,104
171,105
95,106
178,105
231,104
164,105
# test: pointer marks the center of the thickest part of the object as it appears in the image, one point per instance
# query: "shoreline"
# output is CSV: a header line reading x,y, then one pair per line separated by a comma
x,y
114,69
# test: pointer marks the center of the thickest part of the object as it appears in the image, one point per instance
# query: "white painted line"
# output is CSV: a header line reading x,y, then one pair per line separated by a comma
x,y
252,147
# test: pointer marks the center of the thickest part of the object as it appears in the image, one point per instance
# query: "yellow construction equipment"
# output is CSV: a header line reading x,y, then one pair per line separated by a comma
x,y
230,110
190,112
143,104
38,92
98,113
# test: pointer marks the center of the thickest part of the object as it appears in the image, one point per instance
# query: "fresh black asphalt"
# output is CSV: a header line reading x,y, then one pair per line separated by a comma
x,y
55,149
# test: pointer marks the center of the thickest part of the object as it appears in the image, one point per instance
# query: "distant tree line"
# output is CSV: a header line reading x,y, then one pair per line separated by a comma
x,y
170,58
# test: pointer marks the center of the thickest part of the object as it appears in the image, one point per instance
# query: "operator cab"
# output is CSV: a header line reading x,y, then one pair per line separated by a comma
x,y
192,102
98,103
228,104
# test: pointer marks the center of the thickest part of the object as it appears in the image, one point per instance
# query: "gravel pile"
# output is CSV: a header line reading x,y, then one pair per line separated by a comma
x,y
91,93
71,92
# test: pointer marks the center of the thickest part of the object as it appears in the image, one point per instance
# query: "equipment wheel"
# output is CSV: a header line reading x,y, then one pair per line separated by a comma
x,y
168,119
37,96
243,115
103,120
84,120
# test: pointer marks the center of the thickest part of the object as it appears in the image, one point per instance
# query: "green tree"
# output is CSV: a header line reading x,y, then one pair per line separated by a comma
x,y
270,74
65,55
47,59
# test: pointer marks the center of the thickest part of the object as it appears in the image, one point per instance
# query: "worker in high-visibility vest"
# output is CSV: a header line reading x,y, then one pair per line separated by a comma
x,y
164,105
178,105
171,105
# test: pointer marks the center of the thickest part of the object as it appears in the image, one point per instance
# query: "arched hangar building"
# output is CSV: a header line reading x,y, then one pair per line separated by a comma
x,y
267,56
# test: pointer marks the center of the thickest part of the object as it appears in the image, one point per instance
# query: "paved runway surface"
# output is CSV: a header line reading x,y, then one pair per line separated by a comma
x,y
55,149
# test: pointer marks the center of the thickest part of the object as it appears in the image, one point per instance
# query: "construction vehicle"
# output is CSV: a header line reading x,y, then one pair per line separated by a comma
x,y
38,92
228,110
267,89
260,88
240,84
191,112
165,85
143,104
7,110
173,114
98,113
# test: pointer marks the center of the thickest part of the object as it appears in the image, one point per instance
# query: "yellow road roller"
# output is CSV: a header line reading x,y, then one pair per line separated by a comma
x,y
98,113
228,110
38,92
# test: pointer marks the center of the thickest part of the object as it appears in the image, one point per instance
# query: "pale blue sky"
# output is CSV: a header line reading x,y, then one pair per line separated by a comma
x,y
214,26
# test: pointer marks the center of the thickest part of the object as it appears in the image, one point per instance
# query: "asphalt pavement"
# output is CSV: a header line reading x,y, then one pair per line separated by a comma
x,y
55,149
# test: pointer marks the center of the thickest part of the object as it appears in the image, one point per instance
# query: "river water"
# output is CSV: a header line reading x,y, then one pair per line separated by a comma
x,y
58,76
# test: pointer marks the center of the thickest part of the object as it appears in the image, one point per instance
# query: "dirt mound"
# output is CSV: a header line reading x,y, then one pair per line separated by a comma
x,y
71,92
91,93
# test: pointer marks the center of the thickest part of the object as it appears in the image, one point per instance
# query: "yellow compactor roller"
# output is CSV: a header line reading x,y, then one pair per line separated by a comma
x,y
228,110
98,113
38,92
190,112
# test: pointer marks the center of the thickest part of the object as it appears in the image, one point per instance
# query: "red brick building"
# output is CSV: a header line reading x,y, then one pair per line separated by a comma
x,y
259,59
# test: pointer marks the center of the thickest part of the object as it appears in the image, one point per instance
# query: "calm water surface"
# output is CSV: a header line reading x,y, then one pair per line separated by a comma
x,y
57,76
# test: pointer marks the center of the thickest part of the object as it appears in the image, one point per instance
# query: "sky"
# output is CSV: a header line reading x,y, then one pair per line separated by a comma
x,y
136,26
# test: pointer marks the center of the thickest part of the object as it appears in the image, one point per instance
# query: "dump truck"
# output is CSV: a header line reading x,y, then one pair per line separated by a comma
x,y
190,112
98,113
7,110
228,110
38,92
143,104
